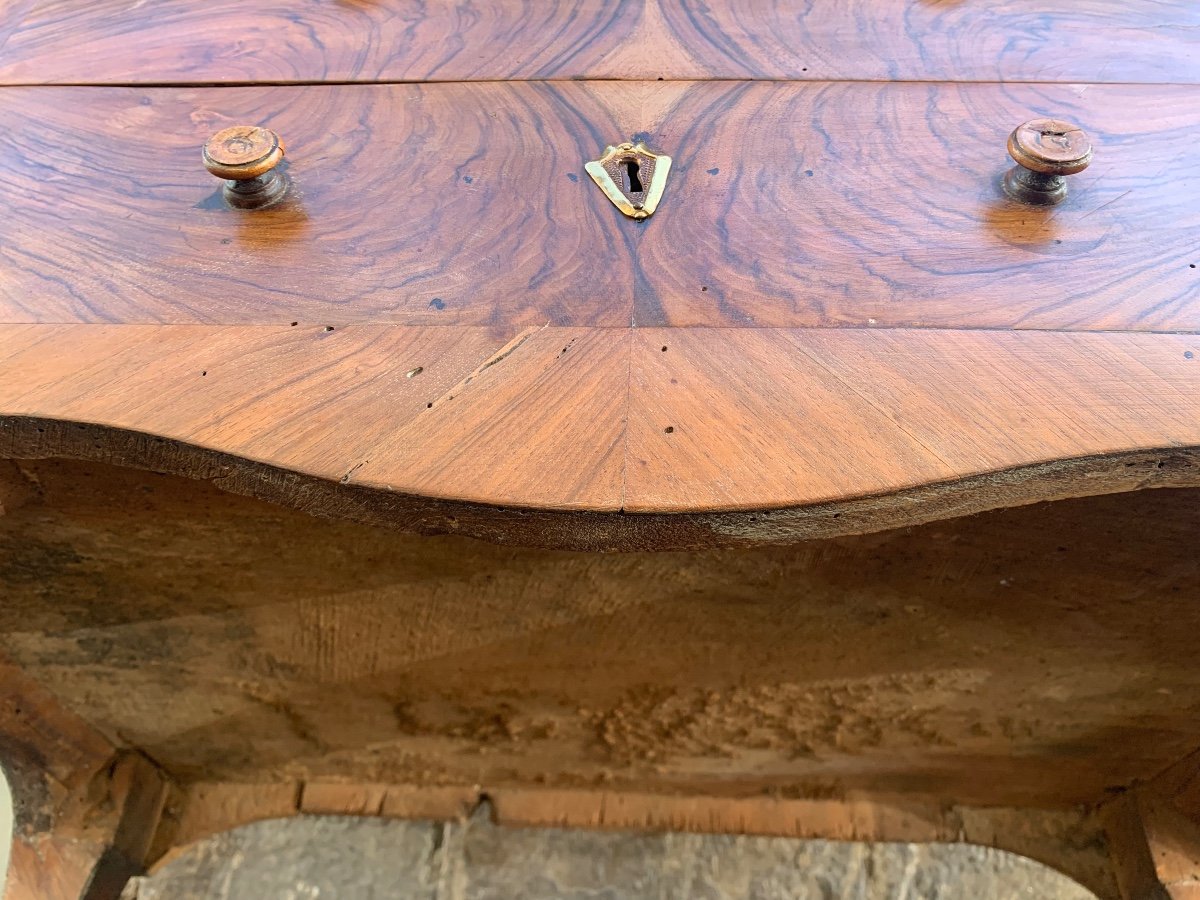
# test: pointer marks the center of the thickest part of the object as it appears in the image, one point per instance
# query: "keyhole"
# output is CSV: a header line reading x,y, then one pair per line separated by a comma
x,y
633,184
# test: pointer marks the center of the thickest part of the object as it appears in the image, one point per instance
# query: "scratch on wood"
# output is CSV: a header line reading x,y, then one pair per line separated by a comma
x,y
1109,203
495,359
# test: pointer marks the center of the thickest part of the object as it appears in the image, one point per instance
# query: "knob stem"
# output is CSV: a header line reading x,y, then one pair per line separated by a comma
x,y
1037,188
257,192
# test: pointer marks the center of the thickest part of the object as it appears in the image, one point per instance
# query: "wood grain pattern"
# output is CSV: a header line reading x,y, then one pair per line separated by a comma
x,y
774,414
1156,847
108,228
207,41
788,205
834,324
607,420
894,686
872,205
485,419
124,224
85,812
771,282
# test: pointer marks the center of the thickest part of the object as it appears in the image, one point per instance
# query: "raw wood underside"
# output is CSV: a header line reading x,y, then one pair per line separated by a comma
x,y
935,683
1047,645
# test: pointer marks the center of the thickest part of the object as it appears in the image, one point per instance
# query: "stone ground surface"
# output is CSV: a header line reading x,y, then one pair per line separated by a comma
x,y
372,859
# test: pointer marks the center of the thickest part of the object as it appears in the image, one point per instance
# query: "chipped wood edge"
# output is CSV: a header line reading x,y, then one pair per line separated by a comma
x,y
24,437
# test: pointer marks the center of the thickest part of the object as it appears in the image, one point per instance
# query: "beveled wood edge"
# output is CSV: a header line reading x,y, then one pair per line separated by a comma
x,y
1070,841
23,437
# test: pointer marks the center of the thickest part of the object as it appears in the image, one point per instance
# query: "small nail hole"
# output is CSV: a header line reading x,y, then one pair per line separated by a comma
x,y
412,373
704,287
1188,354
205,372
664,349
329,328
670,429
294,324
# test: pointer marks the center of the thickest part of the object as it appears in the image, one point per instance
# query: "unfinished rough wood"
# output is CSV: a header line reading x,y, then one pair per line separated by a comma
x,y
49,756
1154,834
402,40
1180,785
1035,657
1156,848
85,812
899,686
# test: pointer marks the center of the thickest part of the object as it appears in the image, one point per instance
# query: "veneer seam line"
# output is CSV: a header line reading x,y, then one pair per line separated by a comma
x,y
875,405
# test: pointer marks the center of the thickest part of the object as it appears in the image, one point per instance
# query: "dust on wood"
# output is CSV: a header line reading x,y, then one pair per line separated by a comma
x,y
1035,656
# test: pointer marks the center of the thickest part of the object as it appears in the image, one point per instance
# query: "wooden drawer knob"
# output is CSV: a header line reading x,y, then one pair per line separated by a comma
x,y
246,156
1045,150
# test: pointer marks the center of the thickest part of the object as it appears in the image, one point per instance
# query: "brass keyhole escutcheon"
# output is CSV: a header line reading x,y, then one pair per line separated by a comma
x,y
632,177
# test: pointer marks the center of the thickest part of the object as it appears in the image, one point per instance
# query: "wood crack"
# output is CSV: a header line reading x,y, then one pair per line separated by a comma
x,y
495,359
